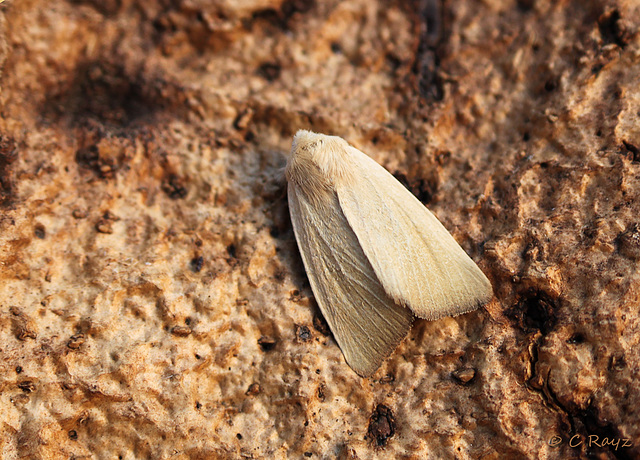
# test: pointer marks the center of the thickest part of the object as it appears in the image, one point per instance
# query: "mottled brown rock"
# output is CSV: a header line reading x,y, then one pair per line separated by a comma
x,y
24,327
253,389
27,386
141,190
76,341
464,375
181,331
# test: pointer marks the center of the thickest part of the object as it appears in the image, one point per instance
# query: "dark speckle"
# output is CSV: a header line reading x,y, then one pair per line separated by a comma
x,y
40,231
27,386
174,187
196,264
382,425
267,343
294,295
270,71
303,333
550,85
253,389
575,339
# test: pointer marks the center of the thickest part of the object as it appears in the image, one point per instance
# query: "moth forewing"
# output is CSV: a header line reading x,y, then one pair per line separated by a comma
x,y
367,324
415,258
370,248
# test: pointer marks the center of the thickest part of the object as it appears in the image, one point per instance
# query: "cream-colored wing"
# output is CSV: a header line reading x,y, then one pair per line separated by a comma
x,y
417,260
367,324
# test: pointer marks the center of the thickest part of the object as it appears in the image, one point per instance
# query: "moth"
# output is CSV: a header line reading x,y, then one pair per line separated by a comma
x,y
375,256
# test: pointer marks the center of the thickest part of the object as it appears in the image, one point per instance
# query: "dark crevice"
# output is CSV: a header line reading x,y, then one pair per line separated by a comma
x,y
632,151
594,426
427,62
613,29
536,311
583,427
586,424
8,155
284,16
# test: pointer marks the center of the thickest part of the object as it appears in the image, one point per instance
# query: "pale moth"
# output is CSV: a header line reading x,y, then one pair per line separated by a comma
x,y
375,255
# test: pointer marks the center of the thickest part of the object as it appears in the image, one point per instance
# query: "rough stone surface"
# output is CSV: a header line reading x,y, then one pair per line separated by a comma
x,y
153,303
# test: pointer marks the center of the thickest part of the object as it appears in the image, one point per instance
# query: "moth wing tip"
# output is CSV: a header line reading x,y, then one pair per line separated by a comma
x,y
457,308
367,368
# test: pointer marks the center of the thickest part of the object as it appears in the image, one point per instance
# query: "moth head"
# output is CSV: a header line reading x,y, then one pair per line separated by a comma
x,y
326,154
307,143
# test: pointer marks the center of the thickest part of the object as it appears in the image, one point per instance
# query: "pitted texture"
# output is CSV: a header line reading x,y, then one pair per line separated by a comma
x,y
152,300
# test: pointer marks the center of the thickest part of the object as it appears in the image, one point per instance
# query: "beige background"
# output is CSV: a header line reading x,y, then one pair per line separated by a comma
x,y
153,303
